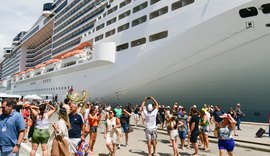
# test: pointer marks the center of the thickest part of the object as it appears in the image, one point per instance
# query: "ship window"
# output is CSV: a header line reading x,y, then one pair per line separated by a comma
x,y
112,10
122,47
109,33
38,73
140,7
266,8
49,70
123,27
123,15
158,36
124,3
181,3
100,37
100,26
139,20
248,12
154,1
158,12
111,21
138,42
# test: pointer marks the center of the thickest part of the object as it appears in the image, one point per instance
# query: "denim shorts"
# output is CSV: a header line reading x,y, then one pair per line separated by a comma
x,y
182,134
125,127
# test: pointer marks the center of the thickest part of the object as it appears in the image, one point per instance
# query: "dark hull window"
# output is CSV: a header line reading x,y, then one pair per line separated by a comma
x,y
266,8
248,12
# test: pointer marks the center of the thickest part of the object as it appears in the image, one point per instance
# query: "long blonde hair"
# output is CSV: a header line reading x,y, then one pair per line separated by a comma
x,y
63,115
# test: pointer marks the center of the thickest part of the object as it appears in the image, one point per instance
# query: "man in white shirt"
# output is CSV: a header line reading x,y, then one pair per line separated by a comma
x,y
150,113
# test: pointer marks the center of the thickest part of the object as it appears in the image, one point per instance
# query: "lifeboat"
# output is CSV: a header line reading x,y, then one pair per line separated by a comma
x,y
52,61
29,73
70,58
51,65
39,69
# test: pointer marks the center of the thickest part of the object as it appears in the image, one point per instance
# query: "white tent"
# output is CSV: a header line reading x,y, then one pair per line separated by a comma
x,y
33,97
4,95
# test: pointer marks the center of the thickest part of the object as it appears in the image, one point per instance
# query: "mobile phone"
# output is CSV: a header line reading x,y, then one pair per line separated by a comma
x,y
148,98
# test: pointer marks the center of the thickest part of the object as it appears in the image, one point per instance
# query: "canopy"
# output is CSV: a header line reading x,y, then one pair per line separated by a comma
x,y
33,97
4,95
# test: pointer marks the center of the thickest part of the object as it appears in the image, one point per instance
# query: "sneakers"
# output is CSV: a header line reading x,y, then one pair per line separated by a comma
x,y
126,146
118,146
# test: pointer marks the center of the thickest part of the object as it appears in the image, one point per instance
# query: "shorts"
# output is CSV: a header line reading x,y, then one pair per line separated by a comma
x,y
162,119
111,138
125,127
136,116
226,144
40,136
74,143
182,134
205,129
151,134
194,137
174,134
93,129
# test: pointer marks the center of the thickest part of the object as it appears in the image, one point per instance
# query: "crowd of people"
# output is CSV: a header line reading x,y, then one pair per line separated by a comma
x,y
23,121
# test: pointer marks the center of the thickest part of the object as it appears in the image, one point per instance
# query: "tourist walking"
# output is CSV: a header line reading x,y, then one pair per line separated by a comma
x,y
225,139
150,120
76,132
41,128
239,115
183,127
60,140
136,115
173,124
93,119
118,112
124,120
204,129
110,135
162,116
194,129
11,129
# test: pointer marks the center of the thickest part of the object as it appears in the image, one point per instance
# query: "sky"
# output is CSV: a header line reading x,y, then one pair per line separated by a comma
x,y
17,16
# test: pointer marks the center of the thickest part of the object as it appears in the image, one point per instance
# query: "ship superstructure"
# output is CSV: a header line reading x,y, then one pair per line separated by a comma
x,y
191,51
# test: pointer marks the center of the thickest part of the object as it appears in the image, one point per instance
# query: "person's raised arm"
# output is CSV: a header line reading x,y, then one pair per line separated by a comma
x,y
33,110
127,112
143,103
51,111
155,101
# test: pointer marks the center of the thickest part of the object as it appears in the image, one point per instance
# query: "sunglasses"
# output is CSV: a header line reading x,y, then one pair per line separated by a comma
x,y
110,112
3,107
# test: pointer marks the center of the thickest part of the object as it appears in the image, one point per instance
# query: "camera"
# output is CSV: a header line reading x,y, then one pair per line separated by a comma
x,y
148,98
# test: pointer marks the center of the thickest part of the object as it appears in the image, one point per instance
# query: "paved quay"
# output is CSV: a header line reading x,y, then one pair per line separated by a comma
x,y
246,143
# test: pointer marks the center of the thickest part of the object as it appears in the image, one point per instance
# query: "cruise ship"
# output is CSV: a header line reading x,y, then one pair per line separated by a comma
x,y
190,51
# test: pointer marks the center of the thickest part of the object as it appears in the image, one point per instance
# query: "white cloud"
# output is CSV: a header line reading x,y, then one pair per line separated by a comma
x,y
17,16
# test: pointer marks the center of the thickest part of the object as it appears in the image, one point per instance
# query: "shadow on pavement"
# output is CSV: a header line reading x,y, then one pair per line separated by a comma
x,y
137,152
102,154
164,141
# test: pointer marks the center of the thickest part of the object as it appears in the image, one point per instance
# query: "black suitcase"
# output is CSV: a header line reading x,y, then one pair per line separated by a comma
x,y
260,132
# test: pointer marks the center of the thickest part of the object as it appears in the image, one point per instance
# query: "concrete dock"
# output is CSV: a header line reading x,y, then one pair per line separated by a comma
x,y
246,143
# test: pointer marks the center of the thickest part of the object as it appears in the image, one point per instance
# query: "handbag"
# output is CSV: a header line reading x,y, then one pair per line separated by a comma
x,y
130,129
216,132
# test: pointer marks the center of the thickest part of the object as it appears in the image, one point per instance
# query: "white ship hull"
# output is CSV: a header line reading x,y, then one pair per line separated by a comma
x,y
208,57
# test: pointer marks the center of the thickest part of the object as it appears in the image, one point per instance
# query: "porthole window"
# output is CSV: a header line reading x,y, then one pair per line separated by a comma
x,y
140,7
100,26
123,27
139,20
122,47
248,12
123,15
122,4
138,42
158,36
266,8
158,12
111,21
109,33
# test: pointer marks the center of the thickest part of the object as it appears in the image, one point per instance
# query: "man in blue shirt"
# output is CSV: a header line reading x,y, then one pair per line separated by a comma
x,y
11,129
76,133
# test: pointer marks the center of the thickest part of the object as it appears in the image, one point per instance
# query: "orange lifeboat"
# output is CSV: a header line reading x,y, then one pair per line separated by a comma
x,y
29,70
71,54
40,65
52,61
23,72
17,74
82,45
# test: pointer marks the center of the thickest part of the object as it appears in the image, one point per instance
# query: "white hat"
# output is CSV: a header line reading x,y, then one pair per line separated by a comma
x,y
150,107
194,106
180,106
